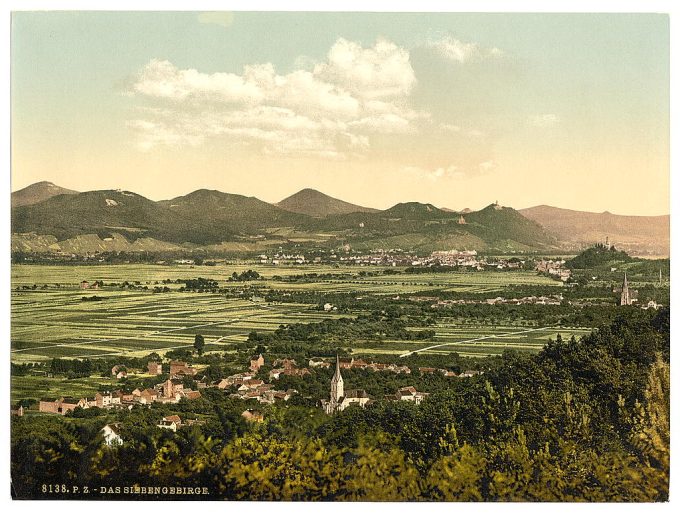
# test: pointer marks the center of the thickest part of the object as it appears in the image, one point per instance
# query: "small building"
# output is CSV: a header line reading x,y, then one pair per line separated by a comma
x,y
256,363
84,285
148,396
275,373
62,405
192,394
409,394
285,363
652,304
112,435
251,415
172,422
18,411
154,369
181,368
318,363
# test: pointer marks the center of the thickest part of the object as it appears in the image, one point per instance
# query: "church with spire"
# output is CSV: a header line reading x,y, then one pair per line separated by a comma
x,y
339,399
628,295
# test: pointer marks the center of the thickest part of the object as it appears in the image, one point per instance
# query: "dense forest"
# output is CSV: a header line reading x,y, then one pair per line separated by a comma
x,y
583,420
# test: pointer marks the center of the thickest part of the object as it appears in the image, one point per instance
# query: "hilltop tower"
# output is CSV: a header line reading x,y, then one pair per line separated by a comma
x,y
337,384
625,292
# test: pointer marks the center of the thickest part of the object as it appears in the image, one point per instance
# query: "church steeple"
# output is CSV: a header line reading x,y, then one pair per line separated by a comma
x,y
625,292
337,383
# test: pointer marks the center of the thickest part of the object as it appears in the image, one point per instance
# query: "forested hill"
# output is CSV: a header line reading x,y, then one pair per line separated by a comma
x,y
314,203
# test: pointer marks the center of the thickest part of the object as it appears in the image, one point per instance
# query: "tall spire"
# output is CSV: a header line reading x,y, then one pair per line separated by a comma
x,y
337,383
625,292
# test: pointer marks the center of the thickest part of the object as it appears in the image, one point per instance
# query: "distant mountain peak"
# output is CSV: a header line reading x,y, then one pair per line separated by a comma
x,y
38,192
309,201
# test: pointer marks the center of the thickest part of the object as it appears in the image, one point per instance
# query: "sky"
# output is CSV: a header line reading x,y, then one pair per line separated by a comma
x,y
458,110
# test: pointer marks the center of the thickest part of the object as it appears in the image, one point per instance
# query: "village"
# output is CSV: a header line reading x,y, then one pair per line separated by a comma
x,y
400,258
242,385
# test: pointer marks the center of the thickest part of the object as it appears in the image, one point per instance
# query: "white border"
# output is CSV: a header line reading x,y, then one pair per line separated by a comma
x,y
499,6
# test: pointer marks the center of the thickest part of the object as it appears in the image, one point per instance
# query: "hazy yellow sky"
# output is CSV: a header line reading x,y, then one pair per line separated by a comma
x,y
458,110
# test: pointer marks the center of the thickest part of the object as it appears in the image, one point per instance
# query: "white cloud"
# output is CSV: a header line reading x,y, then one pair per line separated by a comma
x,y
455,50
383,71
331,110
222,18
544,120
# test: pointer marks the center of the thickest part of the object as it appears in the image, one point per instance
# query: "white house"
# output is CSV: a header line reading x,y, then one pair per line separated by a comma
x,y
112,435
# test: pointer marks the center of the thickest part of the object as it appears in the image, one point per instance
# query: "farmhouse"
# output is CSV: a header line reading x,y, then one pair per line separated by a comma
x,y
172,422
148,396
181,368
154,369
116,369
106,399
112,435
256,363
275,373
318,363
62,405
409,394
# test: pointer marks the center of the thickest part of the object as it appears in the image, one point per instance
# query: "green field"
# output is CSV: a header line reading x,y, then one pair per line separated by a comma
x,y
53,321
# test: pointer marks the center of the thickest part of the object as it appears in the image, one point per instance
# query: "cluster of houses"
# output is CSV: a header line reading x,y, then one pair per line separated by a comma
x,y
360,364
250,388
554,268
454,258
544,300
168,392
280,258
246,386
171,391
448,373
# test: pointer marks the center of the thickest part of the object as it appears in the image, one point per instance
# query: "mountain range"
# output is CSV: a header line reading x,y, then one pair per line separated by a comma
x,y
46,218
574,229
